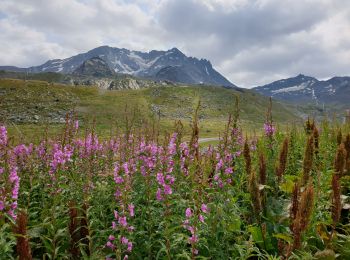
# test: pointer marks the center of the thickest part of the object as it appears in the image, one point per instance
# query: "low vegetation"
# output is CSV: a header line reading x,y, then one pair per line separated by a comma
x,y
29,106
139,194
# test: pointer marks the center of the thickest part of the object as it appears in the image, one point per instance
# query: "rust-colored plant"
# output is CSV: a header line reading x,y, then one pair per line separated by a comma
x,y
336,202
308,160
247,158
347,148
84,230
73,230
23,247
339,137
282,160
262,169
255,194
316,136
309,126
303,215
294,207
340,160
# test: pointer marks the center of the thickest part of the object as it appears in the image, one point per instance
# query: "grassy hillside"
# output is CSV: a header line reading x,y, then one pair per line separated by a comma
x,y
30,105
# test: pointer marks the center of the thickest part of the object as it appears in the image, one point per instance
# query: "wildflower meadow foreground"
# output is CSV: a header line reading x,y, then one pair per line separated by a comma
x,y
140,195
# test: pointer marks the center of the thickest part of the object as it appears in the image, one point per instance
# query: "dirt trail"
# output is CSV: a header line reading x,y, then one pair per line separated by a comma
x,y
209,139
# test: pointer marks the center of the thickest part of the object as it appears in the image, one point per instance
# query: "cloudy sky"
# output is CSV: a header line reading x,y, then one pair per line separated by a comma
x,y
251,42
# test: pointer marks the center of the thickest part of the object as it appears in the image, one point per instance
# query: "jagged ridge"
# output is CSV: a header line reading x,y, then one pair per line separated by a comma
x,y
140,64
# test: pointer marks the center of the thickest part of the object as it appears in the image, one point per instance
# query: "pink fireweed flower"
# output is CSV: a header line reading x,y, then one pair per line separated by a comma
x,y
188,213
219,165
131,210
14,181
110,245
131,228
3,135
60,157
160,178
114,225
117,193
124,240
159,195
201,218
76,125
126,168
186,223
220,184
184,157
191,229
172,145
118,179
143,170
129,246
170,179
269,129
111,237
167,190
204,208
193,239
253,144
122,221
229,170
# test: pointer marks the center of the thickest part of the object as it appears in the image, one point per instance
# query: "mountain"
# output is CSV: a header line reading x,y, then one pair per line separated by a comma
x,y
140,64
95,67
305,89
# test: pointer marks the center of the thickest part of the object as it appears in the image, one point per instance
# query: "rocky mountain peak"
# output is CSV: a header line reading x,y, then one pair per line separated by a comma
x,y
96,67
306,89
140,64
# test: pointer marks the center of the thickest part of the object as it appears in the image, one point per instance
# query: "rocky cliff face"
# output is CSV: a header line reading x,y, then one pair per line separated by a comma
x,y
95,67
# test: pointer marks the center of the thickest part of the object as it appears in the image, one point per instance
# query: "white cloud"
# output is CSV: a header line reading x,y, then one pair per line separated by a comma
x,y
251,42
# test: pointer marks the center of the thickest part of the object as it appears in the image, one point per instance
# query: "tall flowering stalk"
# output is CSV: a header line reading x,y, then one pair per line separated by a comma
x,y
282,163
339,137
125,212
301,212
73,230
309,126
347,148
23,247
269,128
165,177
194,219
9,178
308,160
255,195
339,166
262,169
224,170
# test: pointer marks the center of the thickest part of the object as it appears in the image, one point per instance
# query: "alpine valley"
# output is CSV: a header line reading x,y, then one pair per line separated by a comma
x,y
110,68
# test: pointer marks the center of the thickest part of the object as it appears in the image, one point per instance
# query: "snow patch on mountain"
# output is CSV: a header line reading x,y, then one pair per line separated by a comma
x,y
291,89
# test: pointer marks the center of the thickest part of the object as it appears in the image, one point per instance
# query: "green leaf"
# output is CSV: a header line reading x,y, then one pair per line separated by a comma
x,y
284,237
